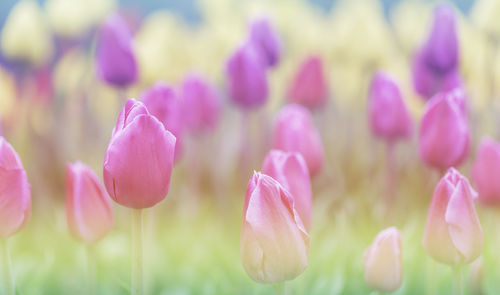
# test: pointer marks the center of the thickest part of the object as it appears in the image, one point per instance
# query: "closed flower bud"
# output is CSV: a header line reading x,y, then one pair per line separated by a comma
x,y
201,104
116,62
290,170
274,244
384,261
88,208
294,131
444,131
139,158
309,86
266,39
246,78
163,102
388,115
15,192
441,48
485,172
453,234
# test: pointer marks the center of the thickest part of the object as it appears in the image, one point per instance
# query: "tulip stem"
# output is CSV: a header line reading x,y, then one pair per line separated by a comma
x,y
458,280
137,263
91,269
281,289
8,280
390,178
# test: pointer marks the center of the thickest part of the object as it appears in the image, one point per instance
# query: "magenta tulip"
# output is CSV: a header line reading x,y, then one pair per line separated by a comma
x,y
310,86
162,102
444,131
441,48
139,158
201,104
294,131
15,192
290,170
453,234
485,171
274,244
265,37
388,115
246,78
116,63
88,208
384,261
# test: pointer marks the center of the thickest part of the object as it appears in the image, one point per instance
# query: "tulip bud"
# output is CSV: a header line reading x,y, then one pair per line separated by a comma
x,y
444,131
88,209
247,78
294,131
116,63
485,171
441,48
388,115
26,34
15,192
265,38
310,86
201,104
163,103
274,244
139,158
290,170
453,234
384,262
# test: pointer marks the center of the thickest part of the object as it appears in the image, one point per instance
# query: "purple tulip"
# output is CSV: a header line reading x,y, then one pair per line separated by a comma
x,y
265,37
247,78
116,63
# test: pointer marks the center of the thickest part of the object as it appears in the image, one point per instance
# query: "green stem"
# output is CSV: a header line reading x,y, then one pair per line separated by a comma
x,y
281,289
91,269
8,280
458,280
137,277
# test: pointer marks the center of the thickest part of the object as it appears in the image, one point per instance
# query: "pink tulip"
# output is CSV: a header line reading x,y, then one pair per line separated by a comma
x,y
485,171
246,74
88,209
384,261
274,244
139,158
162,102
201,104
294,131
290,170
15,191
453,234
444,131
310,86
388,115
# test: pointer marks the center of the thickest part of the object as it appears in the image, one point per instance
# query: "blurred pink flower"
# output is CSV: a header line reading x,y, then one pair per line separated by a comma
x,y
294,131
88,208
485,171
290,170
139,158
310,86
444,131
15,192
274,244
453,234
388,115
201,104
